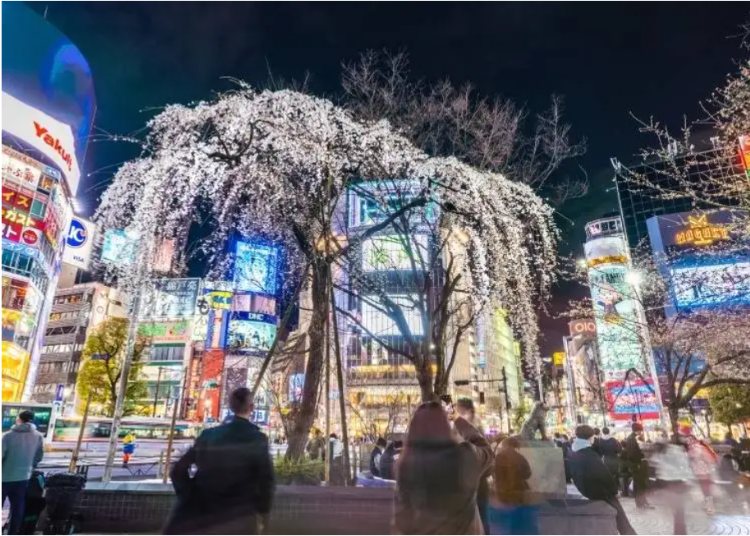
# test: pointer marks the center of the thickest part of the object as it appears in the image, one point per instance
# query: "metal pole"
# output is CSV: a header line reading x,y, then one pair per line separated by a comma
x,y
170,442
340,380
123,387
507,398
77,451
156,394
329,450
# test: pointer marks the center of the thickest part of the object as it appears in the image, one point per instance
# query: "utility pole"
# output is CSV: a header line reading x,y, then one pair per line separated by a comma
x,y
507,398
123,387
156,394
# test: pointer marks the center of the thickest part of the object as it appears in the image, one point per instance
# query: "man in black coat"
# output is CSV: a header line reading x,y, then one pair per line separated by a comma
x,y
635,466
593,479
375,455
232,489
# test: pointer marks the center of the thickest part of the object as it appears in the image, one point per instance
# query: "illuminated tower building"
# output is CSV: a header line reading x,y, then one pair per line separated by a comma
x,y
48,106
621,333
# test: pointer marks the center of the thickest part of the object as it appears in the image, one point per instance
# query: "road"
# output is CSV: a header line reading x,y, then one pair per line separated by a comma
x,y
144,463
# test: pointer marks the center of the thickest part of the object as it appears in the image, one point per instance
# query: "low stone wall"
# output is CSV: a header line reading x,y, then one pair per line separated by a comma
x,y
132,507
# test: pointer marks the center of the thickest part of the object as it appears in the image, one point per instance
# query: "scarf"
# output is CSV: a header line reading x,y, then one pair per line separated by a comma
x,y
580,444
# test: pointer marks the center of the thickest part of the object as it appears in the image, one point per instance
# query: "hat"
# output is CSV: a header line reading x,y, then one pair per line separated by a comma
x,y
686,429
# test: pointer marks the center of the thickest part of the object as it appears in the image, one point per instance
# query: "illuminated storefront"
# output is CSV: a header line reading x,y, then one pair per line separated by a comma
x,y
48,104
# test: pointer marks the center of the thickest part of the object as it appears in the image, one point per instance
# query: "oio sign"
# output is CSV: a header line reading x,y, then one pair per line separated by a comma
x,y
583,326
79,243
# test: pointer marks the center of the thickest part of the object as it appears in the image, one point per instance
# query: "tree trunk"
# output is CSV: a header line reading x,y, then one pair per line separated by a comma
x,y
304,417
673,416
425,383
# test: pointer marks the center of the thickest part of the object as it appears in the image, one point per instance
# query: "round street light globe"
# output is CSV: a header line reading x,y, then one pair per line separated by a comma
x,y
634,278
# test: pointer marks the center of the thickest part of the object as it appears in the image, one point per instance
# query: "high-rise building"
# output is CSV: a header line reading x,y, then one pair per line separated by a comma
x,y
76,312
48,106
706,168
621,333
583,370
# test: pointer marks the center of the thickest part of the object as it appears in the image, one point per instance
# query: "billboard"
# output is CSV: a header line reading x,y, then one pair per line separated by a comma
x,y
634,399
583,326
212,310
165,331
48,136
47,72
609,249
389,252
79,243
249,336
717,284
255,267
296,385
170,299
120,246
616,318
378,323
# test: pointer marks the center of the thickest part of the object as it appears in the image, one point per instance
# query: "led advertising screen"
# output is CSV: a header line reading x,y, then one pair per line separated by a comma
x,y
718,284
170,299
379,324
616,319
389,252
632,399
255,267
120,247
249,336
45,70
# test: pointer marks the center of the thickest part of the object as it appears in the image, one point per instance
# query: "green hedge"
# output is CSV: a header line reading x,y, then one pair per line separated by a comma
x,y
304,471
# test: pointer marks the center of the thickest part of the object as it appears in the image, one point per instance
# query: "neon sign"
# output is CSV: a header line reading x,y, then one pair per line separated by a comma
x,y
745,153
700,232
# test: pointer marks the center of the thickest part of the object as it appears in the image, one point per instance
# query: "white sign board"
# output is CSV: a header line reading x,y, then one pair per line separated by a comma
x,y
79,243
51,137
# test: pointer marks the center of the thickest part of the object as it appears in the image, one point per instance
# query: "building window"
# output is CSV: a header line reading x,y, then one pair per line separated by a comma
x,y
174,352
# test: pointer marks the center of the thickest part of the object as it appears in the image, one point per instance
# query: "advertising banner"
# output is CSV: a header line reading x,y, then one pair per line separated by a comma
x,y
616,315
583,326
248,336
170,299
120,246
165,331
213,305
79,243
50,137
634,399
255,267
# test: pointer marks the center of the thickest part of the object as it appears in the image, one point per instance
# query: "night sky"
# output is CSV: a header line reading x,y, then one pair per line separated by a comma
x,y
607,60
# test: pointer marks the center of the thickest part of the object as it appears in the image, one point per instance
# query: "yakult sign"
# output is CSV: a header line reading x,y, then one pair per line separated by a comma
x,y
49,136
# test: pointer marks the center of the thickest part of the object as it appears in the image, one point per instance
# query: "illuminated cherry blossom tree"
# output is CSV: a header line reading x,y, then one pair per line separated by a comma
x,y
277,165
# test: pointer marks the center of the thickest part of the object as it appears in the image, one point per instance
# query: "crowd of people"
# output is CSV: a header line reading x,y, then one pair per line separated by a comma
x,y
449,478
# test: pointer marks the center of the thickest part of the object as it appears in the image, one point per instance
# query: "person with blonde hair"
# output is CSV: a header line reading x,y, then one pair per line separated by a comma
x,y
439,473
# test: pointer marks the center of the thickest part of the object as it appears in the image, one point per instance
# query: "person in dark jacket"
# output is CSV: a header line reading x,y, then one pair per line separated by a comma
x,y
438,474
514,513
465,408
232,489
389,458
593,479
595,441
375,455
635,467
22,451
609,449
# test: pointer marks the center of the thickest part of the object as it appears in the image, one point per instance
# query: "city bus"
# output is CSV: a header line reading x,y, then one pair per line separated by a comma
x,y
99,428
42,415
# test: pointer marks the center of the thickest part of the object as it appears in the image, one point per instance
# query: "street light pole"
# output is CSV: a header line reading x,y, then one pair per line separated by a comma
x,y
123,387
156,394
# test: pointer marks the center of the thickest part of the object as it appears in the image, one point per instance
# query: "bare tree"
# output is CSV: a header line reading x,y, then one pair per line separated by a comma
x,y
492,134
